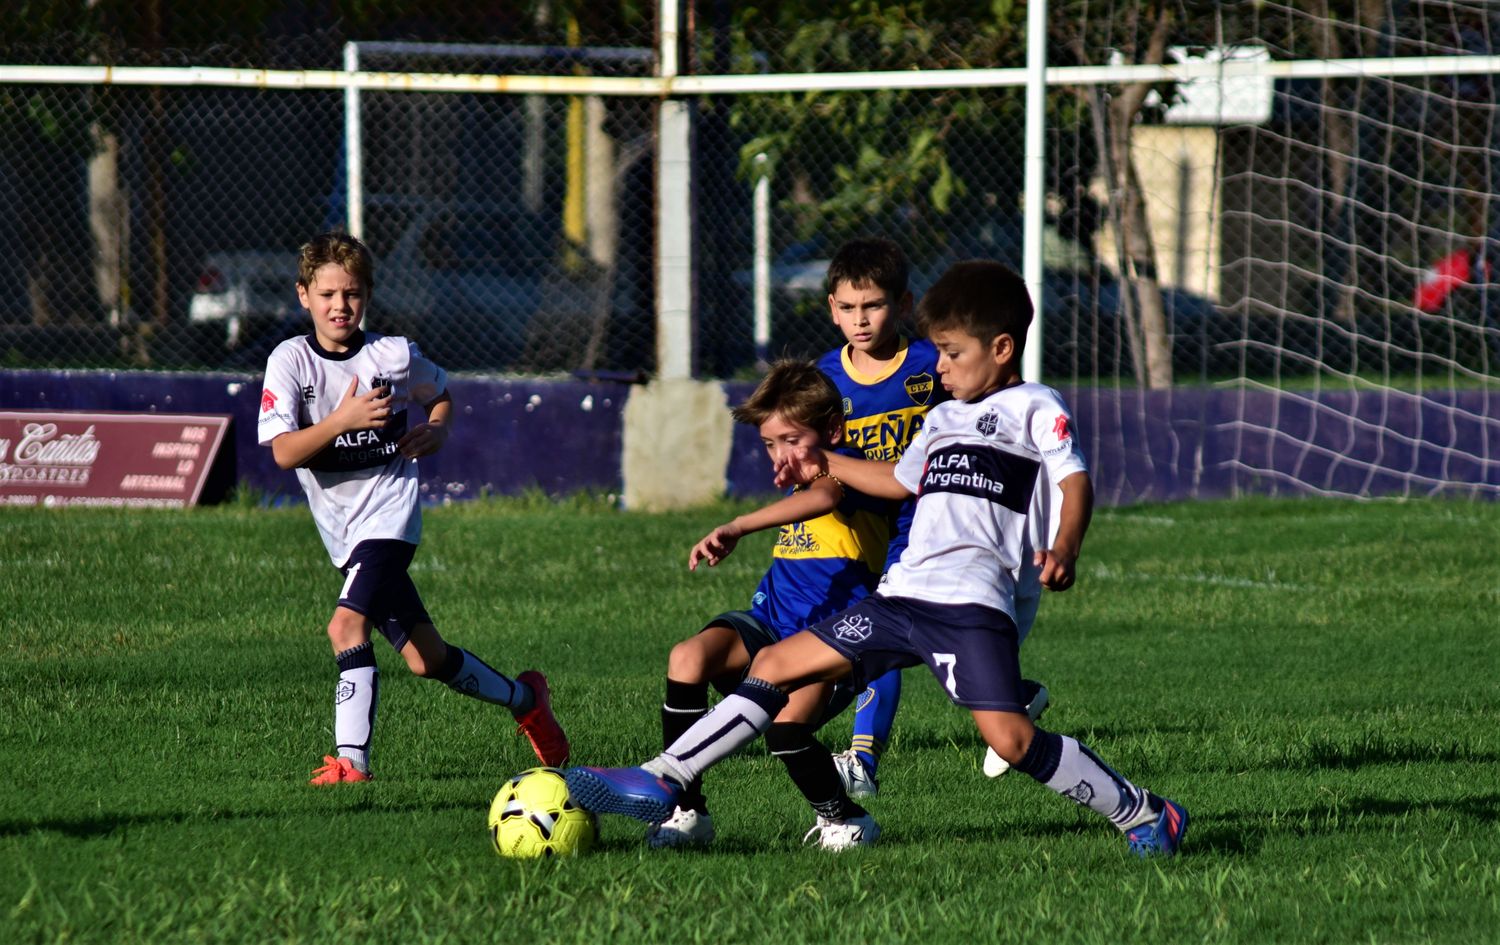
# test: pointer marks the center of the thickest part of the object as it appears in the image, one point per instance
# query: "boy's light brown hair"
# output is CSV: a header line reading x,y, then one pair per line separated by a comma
x,y
341,249
800,393
978,297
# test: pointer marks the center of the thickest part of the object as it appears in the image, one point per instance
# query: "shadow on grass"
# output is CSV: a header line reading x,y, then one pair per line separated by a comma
x,y
102,825
1239,833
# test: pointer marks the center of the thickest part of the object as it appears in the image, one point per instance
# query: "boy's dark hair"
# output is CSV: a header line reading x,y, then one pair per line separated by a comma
x,y
869,262
799,392
978,297
339,248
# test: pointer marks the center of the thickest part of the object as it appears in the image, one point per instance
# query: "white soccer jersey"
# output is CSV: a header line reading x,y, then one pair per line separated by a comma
x,y
981,505
359,487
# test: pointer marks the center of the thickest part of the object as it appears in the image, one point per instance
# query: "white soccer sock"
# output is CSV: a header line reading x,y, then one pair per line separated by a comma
x,y
354,703
1072,770
474,677
729,726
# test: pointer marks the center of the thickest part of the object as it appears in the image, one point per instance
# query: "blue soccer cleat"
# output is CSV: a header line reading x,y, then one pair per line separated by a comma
x,y
634,792
1163,835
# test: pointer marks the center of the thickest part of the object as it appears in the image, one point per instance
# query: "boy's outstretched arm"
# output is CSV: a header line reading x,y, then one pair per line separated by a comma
x,y
820,498
367,411
424,439
872,477
1057,563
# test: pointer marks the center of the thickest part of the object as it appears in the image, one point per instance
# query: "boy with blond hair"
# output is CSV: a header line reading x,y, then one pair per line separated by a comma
x,y
335,408
829,551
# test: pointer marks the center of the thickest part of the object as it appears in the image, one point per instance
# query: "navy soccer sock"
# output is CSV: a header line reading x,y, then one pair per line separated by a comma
x,y
810,767
685,704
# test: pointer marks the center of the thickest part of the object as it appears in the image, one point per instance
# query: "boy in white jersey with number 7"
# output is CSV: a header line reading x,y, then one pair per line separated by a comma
x,y
950,601
334,408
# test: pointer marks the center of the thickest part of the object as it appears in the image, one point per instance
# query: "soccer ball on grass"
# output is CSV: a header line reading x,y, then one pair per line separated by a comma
x,y
533,816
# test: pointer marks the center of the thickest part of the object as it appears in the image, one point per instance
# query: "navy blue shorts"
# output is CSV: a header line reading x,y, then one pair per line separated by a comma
x,y
756,636
376,584
971,649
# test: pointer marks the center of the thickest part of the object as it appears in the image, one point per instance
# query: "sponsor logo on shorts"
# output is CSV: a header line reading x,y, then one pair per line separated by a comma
x,y
345,691
758,599
855,628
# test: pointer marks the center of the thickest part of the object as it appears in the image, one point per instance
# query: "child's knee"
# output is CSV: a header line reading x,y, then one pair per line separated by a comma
x,y
688,662
347,629
1010,738
773,667
425,652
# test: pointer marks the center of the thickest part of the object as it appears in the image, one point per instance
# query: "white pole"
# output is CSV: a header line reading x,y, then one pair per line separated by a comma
x,y
674,216
762,213
354,181
1036,179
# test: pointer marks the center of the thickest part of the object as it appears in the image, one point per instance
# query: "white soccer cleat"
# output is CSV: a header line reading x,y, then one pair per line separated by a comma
x,y
844,834
858,781
994,765
685,828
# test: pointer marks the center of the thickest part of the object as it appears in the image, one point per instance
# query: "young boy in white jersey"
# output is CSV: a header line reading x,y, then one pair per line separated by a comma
x,y
829,552
950,601
888,383
334,408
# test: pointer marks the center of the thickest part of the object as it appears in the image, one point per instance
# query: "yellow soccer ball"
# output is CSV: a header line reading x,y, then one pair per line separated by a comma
x,y
533,816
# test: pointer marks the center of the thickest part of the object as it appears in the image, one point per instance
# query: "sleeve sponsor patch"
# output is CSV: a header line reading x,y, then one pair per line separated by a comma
x,y
984,473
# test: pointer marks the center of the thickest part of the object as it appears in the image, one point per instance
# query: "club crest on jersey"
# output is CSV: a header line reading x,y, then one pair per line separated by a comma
x,y
855,628
987,424
378,382
848,407
919,388
267,401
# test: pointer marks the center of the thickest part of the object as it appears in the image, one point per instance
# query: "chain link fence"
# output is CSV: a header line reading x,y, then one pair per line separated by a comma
x,y
1266,228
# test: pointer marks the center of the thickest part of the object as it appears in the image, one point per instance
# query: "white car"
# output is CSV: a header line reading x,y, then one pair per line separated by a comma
x,y
245,290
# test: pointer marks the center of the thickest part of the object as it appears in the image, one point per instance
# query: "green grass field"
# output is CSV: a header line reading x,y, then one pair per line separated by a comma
x,y
1317,681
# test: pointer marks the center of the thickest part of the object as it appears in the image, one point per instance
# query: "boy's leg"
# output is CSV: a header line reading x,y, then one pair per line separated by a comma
x,y
356,697
1153,824
874,714
528,696
651,792
841,822
715,652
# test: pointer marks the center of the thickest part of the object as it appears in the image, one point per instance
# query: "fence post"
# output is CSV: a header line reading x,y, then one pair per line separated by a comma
x,y
354,181
1036,180
674,215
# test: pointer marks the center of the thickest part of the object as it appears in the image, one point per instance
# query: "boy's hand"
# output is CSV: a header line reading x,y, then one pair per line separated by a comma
x,y
362,411
1057,568
799,466
424,439
715,546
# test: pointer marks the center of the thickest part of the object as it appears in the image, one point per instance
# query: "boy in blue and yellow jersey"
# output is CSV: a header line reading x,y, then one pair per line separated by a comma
x,y
829,553
888,383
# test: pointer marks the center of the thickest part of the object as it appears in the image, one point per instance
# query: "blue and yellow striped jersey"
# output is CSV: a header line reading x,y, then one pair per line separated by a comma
x,y
883,412
823,565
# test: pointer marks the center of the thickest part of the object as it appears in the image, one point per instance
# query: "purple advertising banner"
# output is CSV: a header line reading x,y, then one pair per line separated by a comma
x,y
55,458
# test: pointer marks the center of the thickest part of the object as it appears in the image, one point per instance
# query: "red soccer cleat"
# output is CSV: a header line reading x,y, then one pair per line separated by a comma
x,y
338,771
540,725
